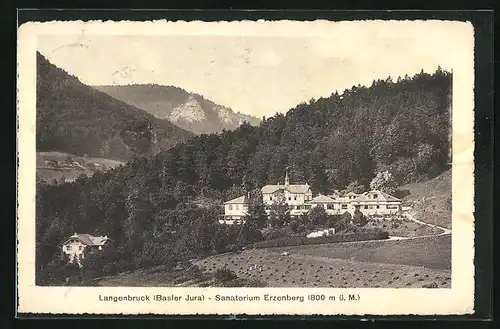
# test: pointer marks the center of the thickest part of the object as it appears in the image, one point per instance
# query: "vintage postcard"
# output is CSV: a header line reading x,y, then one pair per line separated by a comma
x,y
246,167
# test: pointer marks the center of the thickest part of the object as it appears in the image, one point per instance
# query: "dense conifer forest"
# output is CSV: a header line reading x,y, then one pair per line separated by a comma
x,y
164,207
77,119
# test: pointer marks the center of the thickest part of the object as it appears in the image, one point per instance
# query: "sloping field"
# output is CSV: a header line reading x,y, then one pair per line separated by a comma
x,y
431,200
412,263
159,277
430,252
306,270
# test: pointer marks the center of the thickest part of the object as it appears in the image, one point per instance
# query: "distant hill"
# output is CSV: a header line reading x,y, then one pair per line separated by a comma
x,y
77,119
187,110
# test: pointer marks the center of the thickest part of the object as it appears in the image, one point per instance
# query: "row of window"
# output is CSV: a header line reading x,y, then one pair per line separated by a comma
x,y
329,206
236,207
68,248
378,207
306,198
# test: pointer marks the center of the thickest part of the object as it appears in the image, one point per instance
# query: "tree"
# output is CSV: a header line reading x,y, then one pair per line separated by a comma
x,y
53,273
317,216
354,187
338,222
279,213
385,182
359,219
103,262
220,240
248,234
346,218
256,210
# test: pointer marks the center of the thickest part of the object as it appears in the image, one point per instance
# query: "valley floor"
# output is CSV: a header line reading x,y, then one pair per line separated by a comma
x,y
52,166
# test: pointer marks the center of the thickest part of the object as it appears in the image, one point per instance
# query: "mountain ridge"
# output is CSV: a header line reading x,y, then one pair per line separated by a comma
x,y
75,118
188,110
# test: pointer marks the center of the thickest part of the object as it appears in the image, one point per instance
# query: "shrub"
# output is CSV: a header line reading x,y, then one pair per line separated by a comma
x,y
359,218
373,234
224,274
294,226
194,272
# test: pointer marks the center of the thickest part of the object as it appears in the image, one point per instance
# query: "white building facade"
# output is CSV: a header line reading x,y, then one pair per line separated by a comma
x,y
235,210
300,200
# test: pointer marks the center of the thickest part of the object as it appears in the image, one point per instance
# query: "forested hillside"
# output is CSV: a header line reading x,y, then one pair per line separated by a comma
x,y
189,111
331,143
77,119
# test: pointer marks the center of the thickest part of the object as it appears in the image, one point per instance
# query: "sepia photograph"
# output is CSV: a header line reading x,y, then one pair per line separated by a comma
x,y
214,156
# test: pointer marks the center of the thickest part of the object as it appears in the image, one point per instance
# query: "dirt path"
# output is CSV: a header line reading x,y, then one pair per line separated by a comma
x,y
410,217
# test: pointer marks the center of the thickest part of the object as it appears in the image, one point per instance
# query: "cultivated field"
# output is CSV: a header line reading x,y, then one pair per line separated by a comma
x,y
392,264
411,263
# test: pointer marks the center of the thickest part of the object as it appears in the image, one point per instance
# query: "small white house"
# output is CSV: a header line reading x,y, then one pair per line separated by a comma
x,y
79,244
235,210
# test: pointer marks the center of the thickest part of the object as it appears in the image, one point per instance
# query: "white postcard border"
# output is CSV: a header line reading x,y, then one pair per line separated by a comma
x,y
459,299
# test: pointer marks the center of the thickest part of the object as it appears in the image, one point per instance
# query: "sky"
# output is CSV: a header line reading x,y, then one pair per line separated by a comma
x,y
257,71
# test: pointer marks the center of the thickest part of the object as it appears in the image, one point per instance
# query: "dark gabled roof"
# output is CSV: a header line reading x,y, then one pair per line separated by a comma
x,y
389,197
88,239
384,196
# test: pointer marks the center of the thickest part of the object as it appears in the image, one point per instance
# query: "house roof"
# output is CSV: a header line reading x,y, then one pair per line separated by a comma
x,y
322,199
352,193
295,188
239,200
88,239
383,196
389,197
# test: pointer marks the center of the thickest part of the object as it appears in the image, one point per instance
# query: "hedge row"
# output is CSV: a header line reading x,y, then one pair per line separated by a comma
x,y
375,234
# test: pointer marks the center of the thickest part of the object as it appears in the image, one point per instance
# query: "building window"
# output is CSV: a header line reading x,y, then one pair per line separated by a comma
x,y
289,198
237,207
375,196
344,206
330,206
295,198
378,207
230,207
80,247
271,198
366,207
68,248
